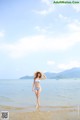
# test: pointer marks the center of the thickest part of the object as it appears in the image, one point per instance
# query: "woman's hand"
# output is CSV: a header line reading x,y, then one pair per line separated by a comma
x,y
43,76
33,89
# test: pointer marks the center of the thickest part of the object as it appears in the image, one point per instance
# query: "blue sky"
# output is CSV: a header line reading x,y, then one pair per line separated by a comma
x,y
38,35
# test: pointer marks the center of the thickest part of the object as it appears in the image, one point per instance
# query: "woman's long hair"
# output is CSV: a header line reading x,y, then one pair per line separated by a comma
x,y
36,75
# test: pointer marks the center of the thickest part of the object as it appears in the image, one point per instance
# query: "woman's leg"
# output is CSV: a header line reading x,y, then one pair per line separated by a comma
x,y
38,97
37,93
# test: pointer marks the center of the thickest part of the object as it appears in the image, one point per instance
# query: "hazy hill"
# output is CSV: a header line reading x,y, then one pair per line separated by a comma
x,y
71,73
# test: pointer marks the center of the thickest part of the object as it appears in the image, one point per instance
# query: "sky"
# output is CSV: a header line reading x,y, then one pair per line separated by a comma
x,y
38,35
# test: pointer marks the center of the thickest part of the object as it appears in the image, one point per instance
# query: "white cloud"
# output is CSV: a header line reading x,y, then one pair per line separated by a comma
x,y
1,34
47,2
76,7
70,65
45,11
23,46
39,29
38,43
62,17
51,62
50,8
74,26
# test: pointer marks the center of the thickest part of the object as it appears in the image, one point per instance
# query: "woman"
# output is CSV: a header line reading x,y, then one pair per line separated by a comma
x,y
36,87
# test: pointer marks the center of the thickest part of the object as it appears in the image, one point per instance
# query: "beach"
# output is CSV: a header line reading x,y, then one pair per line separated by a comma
x,y
59,101
56,113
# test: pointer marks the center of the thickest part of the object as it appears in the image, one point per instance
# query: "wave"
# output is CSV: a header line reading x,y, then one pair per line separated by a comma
x,y
5,99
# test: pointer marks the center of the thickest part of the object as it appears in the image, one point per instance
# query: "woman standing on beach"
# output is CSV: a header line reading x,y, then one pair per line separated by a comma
x,y
36,87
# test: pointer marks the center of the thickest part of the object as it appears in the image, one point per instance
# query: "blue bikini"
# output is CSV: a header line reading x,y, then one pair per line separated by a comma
x,y
37,88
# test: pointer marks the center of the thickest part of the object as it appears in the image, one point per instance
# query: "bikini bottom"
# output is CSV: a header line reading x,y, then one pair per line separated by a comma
x,y
37,88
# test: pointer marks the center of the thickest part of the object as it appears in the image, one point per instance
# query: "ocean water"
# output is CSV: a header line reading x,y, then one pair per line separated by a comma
x,y
18,93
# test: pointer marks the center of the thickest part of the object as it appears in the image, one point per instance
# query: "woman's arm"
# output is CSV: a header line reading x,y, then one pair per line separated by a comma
x,y
33,86
43,76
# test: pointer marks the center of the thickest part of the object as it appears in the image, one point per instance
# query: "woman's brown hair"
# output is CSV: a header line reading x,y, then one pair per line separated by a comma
x,y
36,75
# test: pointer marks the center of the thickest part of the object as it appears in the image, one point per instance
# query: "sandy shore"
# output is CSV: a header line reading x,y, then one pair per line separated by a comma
x,y
42,113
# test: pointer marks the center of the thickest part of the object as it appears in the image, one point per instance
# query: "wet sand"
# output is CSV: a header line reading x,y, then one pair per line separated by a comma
x,y
42,113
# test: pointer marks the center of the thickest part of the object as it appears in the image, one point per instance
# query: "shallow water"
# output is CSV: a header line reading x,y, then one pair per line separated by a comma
x,y
54,93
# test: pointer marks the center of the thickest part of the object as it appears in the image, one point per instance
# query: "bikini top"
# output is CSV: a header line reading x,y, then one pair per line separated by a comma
x,y
37,80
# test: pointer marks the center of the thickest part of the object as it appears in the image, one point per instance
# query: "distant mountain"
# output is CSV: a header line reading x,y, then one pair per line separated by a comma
x,y
50,75
71,73
27,77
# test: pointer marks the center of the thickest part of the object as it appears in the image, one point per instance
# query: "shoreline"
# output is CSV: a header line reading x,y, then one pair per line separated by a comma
x,y
45,108
44,112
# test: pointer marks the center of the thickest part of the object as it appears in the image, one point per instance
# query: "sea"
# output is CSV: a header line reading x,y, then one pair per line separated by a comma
x,y
18,92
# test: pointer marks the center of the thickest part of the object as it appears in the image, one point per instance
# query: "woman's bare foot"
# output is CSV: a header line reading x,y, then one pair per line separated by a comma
x,y
37,105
